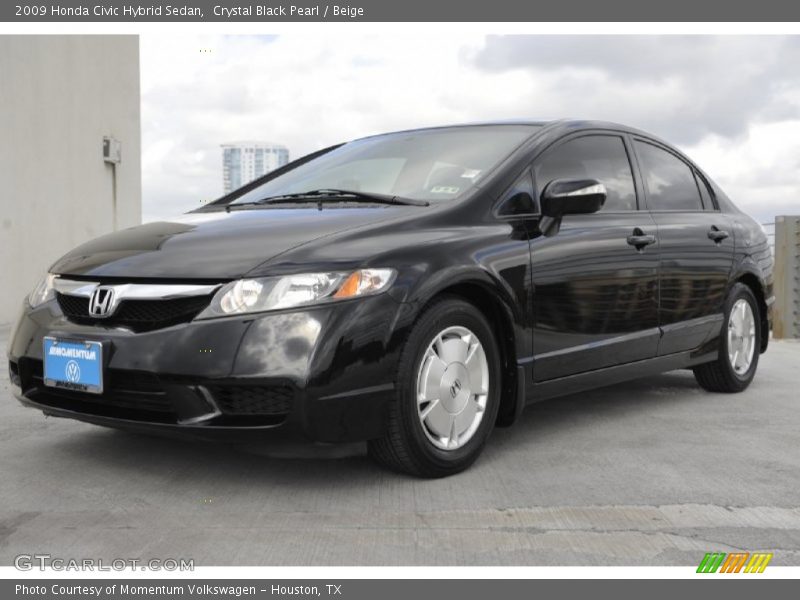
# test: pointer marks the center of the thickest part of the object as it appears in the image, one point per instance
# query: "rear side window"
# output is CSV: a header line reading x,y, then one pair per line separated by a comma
x,y
601,157
670,182
708,203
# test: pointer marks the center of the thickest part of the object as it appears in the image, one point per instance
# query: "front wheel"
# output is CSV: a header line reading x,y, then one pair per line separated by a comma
x,y
448,386
740,343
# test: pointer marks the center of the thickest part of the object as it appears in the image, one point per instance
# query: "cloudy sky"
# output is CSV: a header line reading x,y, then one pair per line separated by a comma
x,y
731,103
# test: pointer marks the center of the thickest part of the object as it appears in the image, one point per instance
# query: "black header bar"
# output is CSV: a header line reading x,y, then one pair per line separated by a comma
x,y
118,11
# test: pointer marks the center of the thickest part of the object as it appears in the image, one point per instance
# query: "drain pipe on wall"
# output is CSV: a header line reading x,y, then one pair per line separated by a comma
x,y
112,154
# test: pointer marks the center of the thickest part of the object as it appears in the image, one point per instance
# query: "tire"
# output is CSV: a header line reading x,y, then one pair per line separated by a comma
x,y
417,444
722,375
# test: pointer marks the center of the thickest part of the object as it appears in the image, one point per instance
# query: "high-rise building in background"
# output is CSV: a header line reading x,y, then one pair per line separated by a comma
x,y
243,162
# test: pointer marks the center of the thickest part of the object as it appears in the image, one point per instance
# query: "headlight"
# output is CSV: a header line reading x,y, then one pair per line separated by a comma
x,y
273,293
43,291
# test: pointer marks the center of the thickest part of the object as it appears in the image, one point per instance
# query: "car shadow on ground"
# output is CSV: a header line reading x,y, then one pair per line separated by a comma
x,y
540,424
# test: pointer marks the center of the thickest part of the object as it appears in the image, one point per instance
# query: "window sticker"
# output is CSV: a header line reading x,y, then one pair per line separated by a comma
x,y
444,189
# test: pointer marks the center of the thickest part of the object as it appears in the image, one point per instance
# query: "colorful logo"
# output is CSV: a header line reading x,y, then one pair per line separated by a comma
x,y
735,562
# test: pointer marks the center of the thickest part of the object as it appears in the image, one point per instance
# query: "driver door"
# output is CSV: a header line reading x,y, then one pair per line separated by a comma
x,y
595,291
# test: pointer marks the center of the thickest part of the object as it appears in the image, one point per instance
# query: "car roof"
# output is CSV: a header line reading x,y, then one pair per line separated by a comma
x,y
568,125
552,127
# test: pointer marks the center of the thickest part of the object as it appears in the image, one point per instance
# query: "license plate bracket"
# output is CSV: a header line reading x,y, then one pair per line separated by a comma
x,y
73,364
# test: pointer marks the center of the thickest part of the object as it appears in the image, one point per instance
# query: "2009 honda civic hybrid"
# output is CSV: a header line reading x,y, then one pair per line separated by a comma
x,y
412,289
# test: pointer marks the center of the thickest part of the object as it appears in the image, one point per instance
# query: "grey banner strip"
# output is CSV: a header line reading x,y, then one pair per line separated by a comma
x,y
398,11
730,587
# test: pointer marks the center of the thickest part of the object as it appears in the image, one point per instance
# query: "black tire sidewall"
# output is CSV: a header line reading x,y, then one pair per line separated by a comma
x,y
444,314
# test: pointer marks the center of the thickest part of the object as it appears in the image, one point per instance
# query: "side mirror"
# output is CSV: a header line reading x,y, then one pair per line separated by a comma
x,y
572,197
520,204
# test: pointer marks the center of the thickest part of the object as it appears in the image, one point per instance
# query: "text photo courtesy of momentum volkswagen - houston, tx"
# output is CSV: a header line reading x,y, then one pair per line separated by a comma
x,y
368,299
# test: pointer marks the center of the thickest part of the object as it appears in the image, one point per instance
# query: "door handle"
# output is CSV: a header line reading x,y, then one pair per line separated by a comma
x,y
639,239
716,234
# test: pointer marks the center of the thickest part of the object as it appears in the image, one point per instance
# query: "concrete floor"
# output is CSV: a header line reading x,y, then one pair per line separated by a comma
x,y
653,472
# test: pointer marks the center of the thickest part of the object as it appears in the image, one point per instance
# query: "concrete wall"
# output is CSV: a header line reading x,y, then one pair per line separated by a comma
x,y
786,312
59,95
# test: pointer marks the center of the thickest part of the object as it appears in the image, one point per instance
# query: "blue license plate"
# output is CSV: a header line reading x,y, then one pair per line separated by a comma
x,y
73,365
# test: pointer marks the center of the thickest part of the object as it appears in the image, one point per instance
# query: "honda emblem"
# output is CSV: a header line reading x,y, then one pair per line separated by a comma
x,y
101,303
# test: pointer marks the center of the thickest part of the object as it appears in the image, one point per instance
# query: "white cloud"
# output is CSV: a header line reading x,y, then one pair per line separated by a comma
x,y
760,171
311,91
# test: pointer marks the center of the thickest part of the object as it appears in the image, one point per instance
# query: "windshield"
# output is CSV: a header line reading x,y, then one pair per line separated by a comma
x,y
431,165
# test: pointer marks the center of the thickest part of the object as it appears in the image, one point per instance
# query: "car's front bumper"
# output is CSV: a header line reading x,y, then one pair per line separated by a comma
x,y
326,372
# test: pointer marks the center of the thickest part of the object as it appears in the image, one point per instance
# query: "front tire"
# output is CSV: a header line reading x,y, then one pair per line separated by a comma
x,y
448,393
740,345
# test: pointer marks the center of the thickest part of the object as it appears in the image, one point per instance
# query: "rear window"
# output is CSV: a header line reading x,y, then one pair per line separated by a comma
x,y
670,182
705,192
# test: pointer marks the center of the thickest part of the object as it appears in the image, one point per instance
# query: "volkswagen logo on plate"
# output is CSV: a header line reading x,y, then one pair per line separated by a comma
x,y
101,303
73,371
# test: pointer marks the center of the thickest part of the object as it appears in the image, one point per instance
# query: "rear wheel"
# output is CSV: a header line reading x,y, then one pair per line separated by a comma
x,y
740,343
448,385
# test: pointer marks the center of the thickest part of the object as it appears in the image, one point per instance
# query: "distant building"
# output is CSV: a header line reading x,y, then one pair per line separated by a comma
x,y
242,162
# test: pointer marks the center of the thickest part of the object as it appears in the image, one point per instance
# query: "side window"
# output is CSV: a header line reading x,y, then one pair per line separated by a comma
x,y
670,181
705,194
519,199
601,157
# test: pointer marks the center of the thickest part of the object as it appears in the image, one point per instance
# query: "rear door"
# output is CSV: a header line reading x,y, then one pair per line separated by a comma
x,y
696,242
595,281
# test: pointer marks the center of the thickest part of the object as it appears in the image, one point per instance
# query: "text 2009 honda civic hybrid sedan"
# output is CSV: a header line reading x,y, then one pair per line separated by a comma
x,y
413,289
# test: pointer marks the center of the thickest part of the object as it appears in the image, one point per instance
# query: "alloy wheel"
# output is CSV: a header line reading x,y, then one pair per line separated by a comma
x,y
452,388
741,336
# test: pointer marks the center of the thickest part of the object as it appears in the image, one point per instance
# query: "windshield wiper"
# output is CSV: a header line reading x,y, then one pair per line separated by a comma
x,y
334,195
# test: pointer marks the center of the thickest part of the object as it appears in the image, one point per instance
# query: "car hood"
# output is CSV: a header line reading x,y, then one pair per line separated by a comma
x,y
212,245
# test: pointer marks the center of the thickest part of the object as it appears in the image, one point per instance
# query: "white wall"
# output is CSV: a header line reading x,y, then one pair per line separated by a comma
x,y
59,95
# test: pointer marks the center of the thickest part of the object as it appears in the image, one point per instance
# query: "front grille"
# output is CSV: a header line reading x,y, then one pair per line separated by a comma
x,y
13,373
253,400
135,395
73,307
137,315
146,397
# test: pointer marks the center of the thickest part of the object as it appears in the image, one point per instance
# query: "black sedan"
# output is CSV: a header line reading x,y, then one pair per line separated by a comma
x,y
413,289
